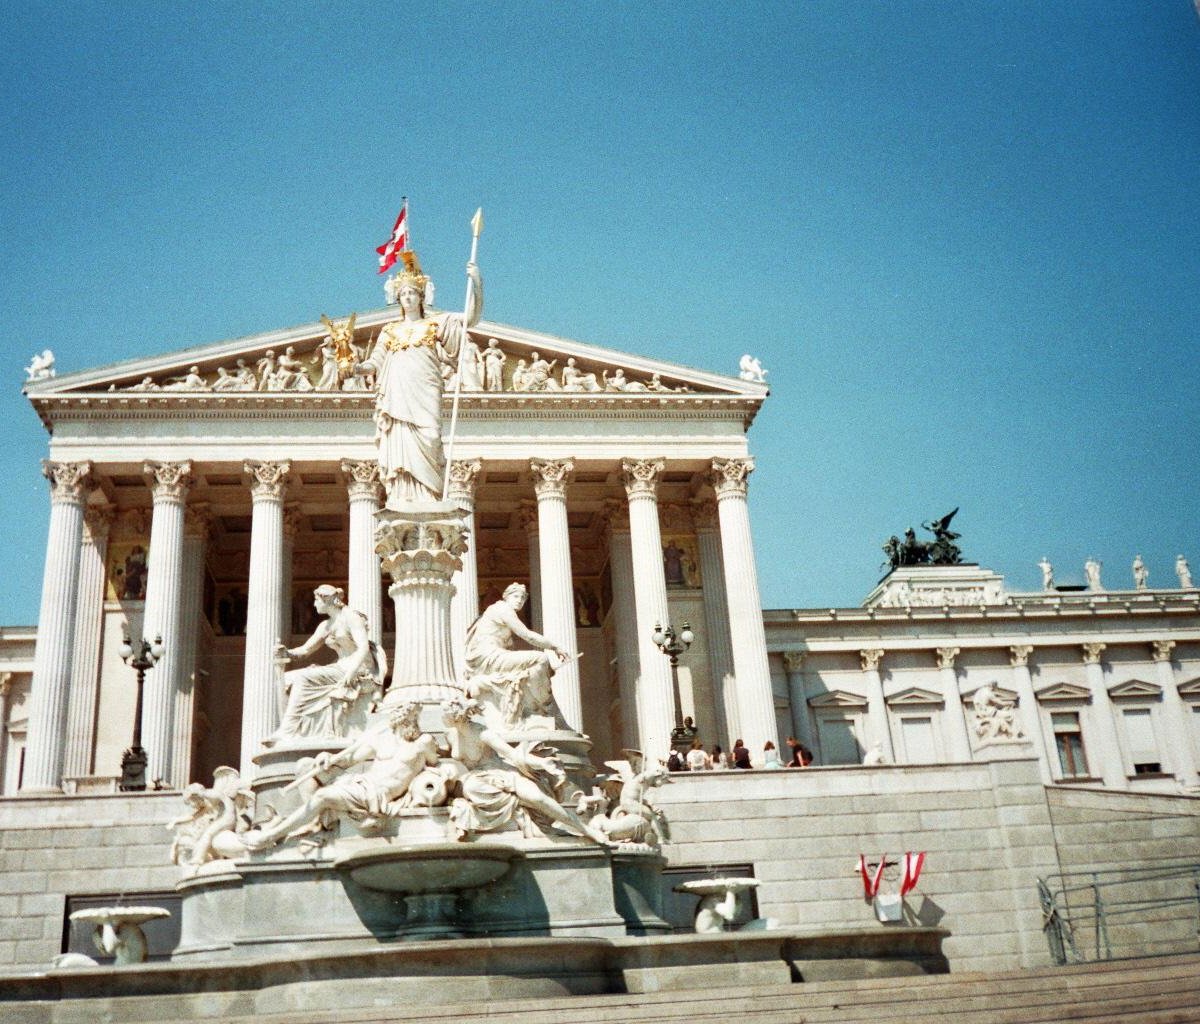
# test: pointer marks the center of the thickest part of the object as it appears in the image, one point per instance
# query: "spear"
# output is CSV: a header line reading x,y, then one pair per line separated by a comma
x,y
476,231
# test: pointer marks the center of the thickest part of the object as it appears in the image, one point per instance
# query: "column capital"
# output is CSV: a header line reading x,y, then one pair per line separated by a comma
x,y
168,481
268,479
527,516
69,481
871,657
362,479
6,684
291,520
198,520
551,476
946,656
704,513
793,661
1018,655
640,476
728,477
1160,650
1092,652
463,474
99,520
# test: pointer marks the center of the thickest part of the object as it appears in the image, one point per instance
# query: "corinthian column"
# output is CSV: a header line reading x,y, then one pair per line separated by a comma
x,y
366,586
169,483
956,718
69,483
1031,720
464,605
1107,746
291,525
197,521
756,701
656,689
85,666
877,716
1176,715
260,696
716,622
550,479
620,566
527,515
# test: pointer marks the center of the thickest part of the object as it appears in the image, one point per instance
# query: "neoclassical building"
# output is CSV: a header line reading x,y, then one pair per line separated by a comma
x,y
202,495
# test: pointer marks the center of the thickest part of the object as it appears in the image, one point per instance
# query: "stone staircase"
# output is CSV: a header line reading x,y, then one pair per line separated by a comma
x,y
1160,990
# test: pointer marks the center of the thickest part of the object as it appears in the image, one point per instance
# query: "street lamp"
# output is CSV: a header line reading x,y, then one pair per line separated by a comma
x,y
141,657
673,645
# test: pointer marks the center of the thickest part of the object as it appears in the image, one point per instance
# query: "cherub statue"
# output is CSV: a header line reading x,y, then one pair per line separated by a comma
x,y
41,367
631,818
751,369
215,821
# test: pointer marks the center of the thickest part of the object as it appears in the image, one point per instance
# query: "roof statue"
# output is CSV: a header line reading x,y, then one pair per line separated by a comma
x,y
940,551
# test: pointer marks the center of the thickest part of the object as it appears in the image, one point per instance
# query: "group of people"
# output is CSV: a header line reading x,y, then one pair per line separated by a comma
x,y
696,759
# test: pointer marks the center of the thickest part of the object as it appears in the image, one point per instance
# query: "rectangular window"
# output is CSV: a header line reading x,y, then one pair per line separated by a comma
x,y
1143,748
839,744
1068,738
916,733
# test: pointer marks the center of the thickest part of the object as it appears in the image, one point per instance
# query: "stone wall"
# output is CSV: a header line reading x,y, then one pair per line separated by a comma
x,y
52,848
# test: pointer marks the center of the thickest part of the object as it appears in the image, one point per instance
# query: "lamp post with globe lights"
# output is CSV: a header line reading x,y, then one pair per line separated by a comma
x,y
141,657
674,644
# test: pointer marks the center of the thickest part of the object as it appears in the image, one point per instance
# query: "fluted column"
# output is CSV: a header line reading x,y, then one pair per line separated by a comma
x,y
716,622
956,717
1027,705
197,522
550,479
656,691
260,694
620,567
464,605
69,483
169,483
365,577
877,714
291,526
755,699
1106,745
6,684
793,666
79,749
1177,714
527,515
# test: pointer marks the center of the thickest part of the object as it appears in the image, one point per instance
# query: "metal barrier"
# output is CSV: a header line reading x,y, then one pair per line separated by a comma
x,y
1081,911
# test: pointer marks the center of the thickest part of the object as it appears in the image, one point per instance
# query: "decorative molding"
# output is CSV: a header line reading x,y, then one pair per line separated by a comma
x,y
551,476
69,481
362,479
838,699
1135,688
1160,650
268,479
870,658
946,655
168,481
463,475
1018,655
640,477
1092,652
914,696
1064,692
729,477
1190,689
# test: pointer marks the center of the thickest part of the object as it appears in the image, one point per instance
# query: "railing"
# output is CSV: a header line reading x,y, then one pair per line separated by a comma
x,y
1086,915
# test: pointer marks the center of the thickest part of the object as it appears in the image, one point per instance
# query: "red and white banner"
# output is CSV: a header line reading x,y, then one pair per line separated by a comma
x,y
398,243
871,882
910,871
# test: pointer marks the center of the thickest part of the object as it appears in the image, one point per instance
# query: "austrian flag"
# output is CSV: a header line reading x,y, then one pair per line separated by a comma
x,y
397,244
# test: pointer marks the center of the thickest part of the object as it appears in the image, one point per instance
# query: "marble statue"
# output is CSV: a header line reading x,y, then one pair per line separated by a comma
x,y
1184,572
875,756
407,362
117,931
514,685
493,366
395,753
325,360
656,384
539,375
265,368
337,354
520,377
505,785
1091,569
320,698
995,717
290,374
619,382
145,384
632,818
1047,573
751,369
215,820
472,368
41,367
574,379
1141,575
190,381
225,381
720,900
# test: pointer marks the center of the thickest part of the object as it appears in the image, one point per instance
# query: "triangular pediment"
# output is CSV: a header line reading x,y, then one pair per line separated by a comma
x,y
1190,689
1136,688
524,365
837,699
913,696
1064,692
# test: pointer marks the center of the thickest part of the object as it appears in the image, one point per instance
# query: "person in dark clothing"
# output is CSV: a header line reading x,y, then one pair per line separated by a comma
x,y
802,757
741,755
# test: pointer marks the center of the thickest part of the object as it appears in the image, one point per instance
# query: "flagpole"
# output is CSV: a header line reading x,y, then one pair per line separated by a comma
x,y
476,230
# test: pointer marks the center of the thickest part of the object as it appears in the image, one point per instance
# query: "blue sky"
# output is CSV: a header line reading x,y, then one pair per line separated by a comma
x,y
963,238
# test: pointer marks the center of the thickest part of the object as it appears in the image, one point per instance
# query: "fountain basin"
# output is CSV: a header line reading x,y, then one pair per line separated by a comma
x,y
118,930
